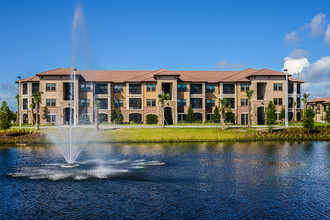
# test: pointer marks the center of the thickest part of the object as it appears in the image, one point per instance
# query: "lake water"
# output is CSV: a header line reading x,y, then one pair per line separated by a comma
x,y
196,181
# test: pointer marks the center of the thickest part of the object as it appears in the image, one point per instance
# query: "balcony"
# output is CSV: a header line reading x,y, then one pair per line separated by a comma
x,y
135,104
196,89
228,89
197,103
135,89
261,90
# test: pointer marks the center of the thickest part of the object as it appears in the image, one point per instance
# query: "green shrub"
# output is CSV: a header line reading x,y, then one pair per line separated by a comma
x,y
190,115
152,119
308,121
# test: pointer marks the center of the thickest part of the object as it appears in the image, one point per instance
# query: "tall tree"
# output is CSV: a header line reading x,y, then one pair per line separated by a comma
x,y
305,99
190,115
249,95
46,114
37,96
271,115
18,110
5,117
216,115
161,98
282,115
32,113
327,113
308,121
119,116
222,110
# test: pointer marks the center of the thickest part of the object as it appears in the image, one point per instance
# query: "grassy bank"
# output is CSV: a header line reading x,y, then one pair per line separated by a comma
x,y
168,135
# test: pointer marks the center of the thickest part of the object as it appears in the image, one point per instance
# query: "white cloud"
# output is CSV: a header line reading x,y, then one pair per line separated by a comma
x,y
225,65
292,38
295,65
317,25
298,53
327,36
319,71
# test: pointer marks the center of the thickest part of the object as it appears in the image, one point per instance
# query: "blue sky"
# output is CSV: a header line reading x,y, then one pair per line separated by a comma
x,y
176,35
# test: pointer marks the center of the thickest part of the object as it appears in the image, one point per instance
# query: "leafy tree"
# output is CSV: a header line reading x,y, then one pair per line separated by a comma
x,y
119,116
46,114
113,114
271,115
327,113
282,114
190,115
216,115
161,98
152,119
308,121
37,100
249,95
18,111
306,96
5,117
222,110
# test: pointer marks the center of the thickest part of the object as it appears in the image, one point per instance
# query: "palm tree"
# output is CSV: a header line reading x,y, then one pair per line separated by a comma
x,y
37,100
248,95
18,112
306,96
222,110
32,107
162,97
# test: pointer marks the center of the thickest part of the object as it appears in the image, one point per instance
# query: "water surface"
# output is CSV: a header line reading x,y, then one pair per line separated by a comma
x,y
226,180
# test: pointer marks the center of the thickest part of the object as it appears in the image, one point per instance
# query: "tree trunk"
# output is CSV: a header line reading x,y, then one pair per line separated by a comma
x,y
223,121
4,133
249,114
37,118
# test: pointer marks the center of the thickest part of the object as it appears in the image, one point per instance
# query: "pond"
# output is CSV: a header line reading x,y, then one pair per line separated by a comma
x,y
203,181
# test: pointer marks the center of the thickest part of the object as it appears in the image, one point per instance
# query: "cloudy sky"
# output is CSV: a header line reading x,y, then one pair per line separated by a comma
x,y
171,34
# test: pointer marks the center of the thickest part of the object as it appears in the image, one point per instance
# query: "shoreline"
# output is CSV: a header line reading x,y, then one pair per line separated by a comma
x,y
21,137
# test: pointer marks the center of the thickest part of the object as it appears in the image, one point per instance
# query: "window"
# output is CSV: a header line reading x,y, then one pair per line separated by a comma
x,y
298,102
50,87
230,102
182,116
51,119
210,88
182,102
151,102
290,88
51,102
278,87
85,87
210,102
196,103
298,88
101,89
151,87
244,119
244,87
290,102
182,87
196,89
25,103
135,104
228,89
278,101
25,88
244,102
135,88
84,102
118,88
103,103
35,87
118,103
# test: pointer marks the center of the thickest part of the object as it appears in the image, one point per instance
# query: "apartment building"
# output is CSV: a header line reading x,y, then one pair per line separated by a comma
x,y
319,105
135,93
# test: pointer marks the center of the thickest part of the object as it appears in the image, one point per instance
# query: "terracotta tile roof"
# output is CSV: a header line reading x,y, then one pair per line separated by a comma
x,y
58,72
30,79
324,100
295,80
120,76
